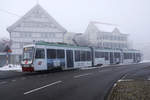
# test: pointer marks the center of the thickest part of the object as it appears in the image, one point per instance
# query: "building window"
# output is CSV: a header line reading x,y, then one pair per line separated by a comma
x,y
15,34
36,35
16,45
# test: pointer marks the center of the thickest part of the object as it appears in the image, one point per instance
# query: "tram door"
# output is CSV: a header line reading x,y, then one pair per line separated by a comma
x,y
111,58
69,55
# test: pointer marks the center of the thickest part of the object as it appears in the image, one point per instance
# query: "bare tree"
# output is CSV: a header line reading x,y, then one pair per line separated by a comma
x,y
4,43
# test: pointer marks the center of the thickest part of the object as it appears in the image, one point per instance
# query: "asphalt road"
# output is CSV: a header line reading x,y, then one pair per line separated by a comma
x,y
92,84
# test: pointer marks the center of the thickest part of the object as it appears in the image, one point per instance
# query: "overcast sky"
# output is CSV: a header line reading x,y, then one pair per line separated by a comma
x,y
132,16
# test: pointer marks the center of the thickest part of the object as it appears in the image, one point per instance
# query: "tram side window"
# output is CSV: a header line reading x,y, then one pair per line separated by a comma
x,y
125,56
88,55
102,54
130,55
99,54
51,53
106,56
96,55
138,55
40,54
77,55
117,55
83,55
60,53
134,55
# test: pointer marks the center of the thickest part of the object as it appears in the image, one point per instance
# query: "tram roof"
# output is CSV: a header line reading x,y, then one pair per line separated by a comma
x,y
83,47
60,45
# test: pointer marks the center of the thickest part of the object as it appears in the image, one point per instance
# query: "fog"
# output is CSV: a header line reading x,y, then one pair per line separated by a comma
x,y
132,16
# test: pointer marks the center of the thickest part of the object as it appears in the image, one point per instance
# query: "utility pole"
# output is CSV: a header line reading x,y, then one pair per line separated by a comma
x,y
8,51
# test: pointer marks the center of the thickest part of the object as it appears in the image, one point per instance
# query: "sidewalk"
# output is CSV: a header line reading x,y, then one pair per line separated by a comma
x,y
133,86
11,68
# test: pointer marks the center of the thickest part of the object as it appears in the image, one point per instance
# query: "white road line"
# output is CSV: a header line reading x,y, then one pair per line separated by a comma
x,y
3,82
148,78
125,80
45,75
13,80
23,78
42,87
87,68
77,76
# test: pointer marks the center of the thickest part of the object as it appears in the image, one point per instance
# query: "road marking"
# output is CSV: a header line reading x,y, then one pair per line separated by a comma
x,y
23,78
77,76
39,76
148,79
34,90
3,82
87,68
115,85
103,71
45,75
125,80
13,80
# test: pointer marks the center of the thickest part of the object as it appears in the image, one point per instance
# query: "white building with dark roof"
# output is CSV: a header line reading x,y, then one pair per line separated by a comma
x,y
105,35
35,25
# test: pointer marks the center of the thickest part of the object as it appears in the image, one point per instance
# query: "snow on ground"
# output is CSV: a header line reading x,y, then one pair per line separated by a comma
x,y
11,67
17,68
145,61
86,68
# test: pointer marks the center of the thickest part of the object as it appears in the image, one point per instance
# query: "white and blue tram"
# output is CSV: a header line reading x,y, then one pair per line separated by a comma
x,y
131,56
46,56
106,56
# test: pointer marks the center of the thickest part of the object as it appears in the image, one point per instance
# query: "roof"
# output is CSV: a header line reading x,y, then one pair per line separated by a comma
x,y
105,27
36,20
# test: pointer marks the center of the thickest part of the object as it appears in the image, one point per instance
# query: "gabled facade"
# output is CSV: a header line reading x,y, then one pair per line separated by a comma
x,y
106,36
35,25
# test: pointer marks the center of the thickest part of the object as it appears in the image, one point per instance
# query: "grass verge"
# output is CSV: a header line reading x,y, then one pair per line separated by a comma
x,y
130,90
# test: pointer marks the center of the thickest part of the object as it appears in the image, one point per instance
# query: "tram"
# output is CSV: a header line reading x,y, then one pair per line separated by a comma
x,y
46,56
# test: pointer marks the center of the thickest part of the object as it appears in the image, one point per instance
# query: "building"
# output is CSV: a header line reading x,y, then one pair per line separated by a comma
x,y
35,25
38,25
69,37
105,35
74,38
